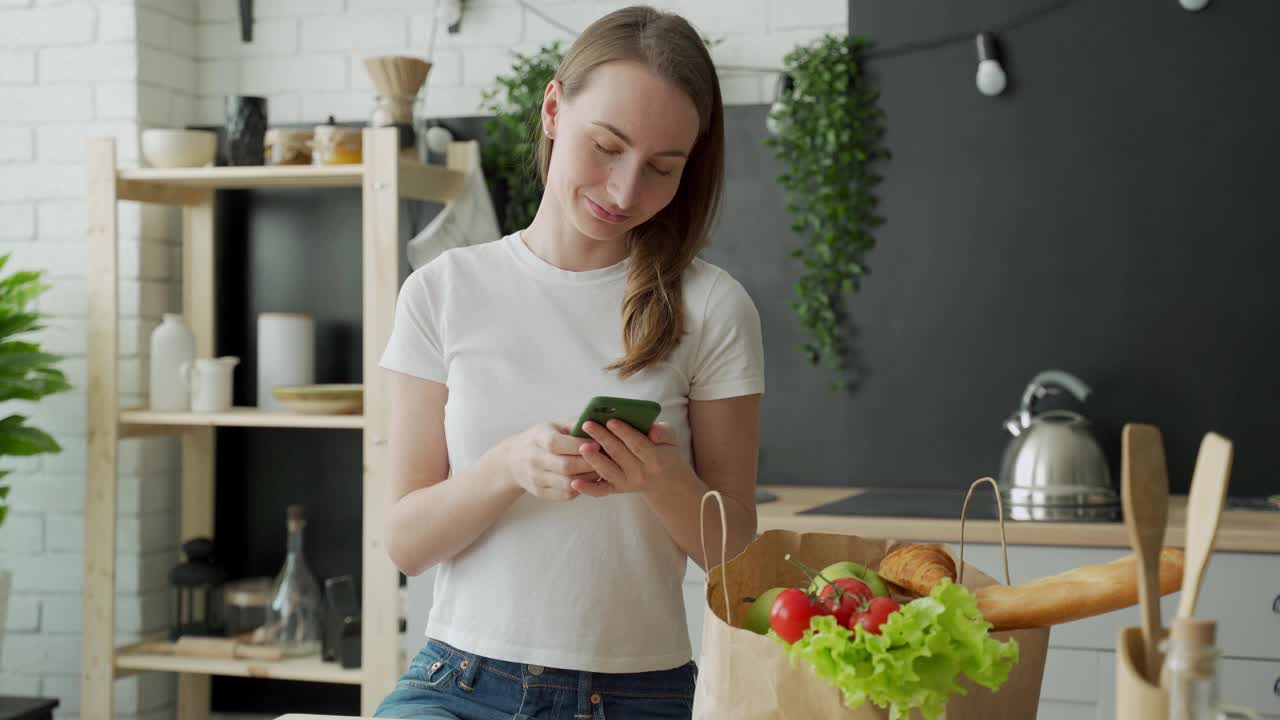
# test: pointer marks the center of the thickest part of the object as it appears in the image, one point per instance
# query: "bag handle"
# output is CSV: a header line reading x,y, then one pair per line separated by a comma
x,y
1004,547
724,548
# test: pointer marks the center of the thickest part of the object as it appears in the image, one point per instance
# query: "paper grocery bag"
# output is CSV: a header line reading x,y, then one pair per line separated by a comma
x,y
745,676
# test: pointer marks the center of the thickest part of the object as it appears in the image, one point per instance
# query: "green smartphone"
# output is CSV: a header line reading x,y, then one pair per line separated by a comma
x,y
639,414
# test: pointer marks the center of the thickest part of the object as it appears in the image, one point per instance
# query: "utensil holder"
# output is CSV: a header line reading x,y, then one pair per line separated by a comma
x,y
1137,699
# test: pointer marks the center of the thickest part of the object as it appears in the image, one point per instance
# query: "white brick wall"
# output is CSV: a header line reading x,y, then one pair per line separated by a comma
x,y
306,57
75,69
70,71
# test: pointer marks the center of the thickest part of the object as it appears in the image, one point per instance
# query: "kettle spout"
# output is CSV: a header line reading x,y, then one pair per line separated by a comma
x,y
1014,425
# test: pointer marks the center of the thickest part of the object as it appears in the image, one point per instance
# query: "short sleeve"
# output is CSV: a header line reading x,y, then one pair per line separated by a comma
x,y
416,344
730,358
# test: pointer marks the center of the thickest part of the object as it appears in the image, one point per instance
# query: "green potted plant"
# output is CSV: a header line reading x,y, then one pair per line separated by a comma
x,y
511,134
26,373
829,138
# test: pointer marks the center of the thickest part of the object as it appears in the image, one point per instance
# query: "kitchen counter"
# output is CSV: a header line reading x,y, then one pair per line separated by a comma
x,y
1239,530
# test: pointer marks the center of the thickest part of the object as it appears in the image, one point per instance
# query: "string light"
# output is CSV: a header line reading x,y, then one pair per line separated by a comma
x,y
776,121
991,79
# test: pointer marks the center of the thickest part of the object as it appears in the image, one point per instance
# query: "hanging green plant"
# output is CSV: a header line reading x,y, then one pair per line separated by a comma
x,y
830,133
511,134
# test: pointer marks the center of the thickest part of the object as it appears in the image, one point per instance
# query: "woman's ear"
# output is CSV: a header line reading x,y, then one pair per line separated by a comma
x,y
551,103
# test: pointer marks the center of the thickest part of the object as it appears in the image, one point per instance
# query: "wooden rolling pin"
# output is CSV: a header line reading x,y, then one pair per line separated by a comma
x,y
213,647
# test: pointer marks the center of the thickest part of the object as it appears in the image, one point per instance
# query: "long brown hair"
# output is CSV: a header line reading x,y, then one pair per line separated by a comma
x,y
664,246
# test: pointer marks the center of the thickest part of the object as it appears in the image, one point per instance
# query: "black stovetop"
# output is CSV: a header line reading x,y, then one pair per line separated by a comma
x,y
945,504
923,503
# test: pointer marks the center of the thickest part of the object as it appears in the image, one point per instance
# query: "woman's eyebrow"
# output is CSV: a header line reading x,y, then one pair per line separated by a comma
x,y
623,137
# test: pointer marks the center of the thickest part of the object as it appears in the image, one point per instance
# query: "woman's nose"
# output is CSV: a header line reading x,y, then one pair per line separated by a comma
x,y
624,183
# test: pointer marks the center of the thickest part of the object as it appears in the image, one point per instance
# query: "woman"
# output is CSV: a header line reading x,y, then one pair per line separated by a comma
x,y
561,559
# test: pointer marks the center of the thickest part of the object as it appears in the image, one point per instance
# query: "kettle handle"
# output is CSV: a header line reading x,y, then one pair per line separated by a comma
x,y
1048,383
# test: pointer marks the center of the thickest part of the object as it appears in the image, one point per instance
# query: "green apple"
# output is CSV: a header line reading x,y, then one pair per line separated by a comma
x,y
844,569
758,614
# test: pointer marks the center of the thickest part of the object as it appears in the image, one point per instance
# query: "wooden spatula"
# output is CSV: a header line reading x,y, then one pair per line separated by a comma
x,y
1144,494
1204,509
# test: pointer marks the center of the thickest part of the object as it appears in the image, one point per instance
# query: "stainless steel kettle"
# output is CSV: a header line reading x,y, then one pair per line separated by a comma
x,y
1054,468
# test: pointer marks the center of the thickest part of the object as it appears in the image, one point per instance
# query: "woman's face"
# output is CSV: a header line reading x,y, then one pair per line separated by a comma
x,y
620,148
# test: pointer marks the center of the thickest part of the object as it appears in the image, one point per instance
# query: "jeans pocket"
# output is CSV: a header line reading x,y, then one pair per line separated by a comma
x,y
432,669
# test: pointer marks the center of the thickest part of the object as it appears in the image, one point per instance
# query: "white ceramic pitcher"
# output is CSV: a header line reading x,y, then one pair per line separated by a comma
x,y
209,381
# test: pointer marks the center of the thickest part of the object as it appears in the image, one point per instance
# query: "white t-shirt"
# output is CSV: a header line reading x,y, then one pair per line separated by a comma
x,y
593,583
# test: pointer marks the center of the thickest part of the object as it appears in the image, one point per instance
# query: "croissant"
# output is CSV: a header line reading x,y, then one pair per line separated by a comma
x,y
917,568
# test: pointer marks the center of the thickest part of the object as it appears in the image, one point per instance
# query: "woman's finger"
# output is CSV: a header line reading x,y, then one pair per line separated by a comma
x,y
554,486
635,441
617,450
662,434
597,488
608,470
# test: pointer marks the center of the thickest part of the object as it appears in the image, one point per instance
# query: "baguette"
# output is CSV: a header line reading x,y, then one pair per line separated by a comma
x,y
915,569
1075,594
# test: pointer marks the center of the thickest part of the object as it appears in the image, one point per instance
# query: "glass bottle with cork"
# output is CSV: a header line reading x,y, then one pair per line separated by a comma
x,y
1191,673
295,615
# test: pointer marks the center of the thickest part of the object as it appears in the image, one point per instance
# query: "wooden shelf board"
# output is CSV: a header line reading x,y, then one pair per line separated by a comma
x,y
310,668
167,185
238,417
250,176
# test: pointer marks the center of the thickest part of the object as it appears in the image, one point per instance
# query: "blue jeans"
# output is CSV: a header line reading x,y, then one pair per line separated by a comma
x,y
446,683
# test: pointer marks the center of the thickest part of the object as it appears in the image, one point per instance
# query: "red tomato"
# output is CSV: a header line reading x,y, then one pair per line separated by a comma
x,y
790,614
877,611
843,605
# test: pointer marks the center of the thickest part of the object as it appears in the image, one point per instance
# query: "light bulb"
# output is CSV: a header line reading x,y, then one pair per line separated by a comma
x,y
774,122
991,79
438,138
1193,5
449,11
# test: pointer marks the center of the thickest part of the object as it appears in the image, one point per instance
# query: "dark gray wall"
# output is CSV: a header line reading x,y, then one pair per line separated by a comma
x,y
1112,214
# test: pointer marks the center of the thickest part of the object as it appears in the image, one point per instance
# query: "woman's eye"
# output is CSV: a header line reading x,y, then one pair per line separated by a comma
x,y
605,150
660,171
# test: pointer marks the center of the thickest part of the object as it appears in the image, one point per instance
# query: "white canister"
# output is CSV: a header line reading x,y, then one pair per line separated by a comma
x,y
210,381
172,344
286,354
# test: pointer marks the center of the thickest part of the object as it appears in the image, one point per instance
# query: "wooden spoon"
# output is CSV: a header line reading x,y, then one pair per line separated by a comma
x,y
1144,494
1204,509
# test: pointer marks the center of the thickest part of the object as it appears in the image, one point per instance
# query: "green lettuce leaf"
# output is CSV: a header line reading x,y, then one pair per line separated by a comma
x,y
916,660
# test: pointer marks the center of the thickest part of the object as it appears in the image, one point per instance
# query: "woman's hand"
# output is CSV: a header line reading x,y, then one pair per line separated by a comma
x,y
635,462
544,460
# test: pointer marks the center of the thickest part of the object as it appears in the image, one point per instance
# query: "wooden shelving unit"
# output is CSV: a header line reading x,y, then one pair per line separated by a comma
x,y
384,179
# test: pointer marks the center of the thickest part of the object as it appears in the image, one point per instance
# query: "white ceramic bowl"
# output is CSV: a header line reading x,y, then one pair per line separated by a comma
x,y
173,148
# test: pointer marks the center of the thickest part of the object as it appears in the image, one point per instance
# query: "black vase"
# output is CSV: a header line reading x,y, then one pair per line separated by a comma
x,y
246,130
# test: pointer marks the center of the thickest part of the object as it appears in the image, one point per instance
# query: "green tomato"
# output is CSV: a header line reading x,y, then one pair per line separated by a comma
x,y
844,569
757,620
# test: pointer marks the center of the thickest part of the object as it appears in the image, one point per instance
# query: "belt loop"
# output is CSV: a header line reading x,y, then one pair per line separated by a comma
x,y
585,709
467,671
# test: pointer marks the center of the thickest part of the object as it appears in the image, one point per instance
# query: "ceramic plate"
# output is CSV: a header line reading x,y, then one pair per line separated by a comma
x,y
321,399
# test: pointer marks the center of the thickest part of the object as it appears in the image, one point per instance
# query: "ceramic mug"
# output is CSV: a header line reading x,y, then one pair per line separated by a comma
x,y
209,380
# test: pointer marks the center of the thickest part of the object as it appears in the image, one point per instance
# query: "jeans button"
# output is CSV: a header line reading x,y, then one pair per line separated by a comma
x,y
536,669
